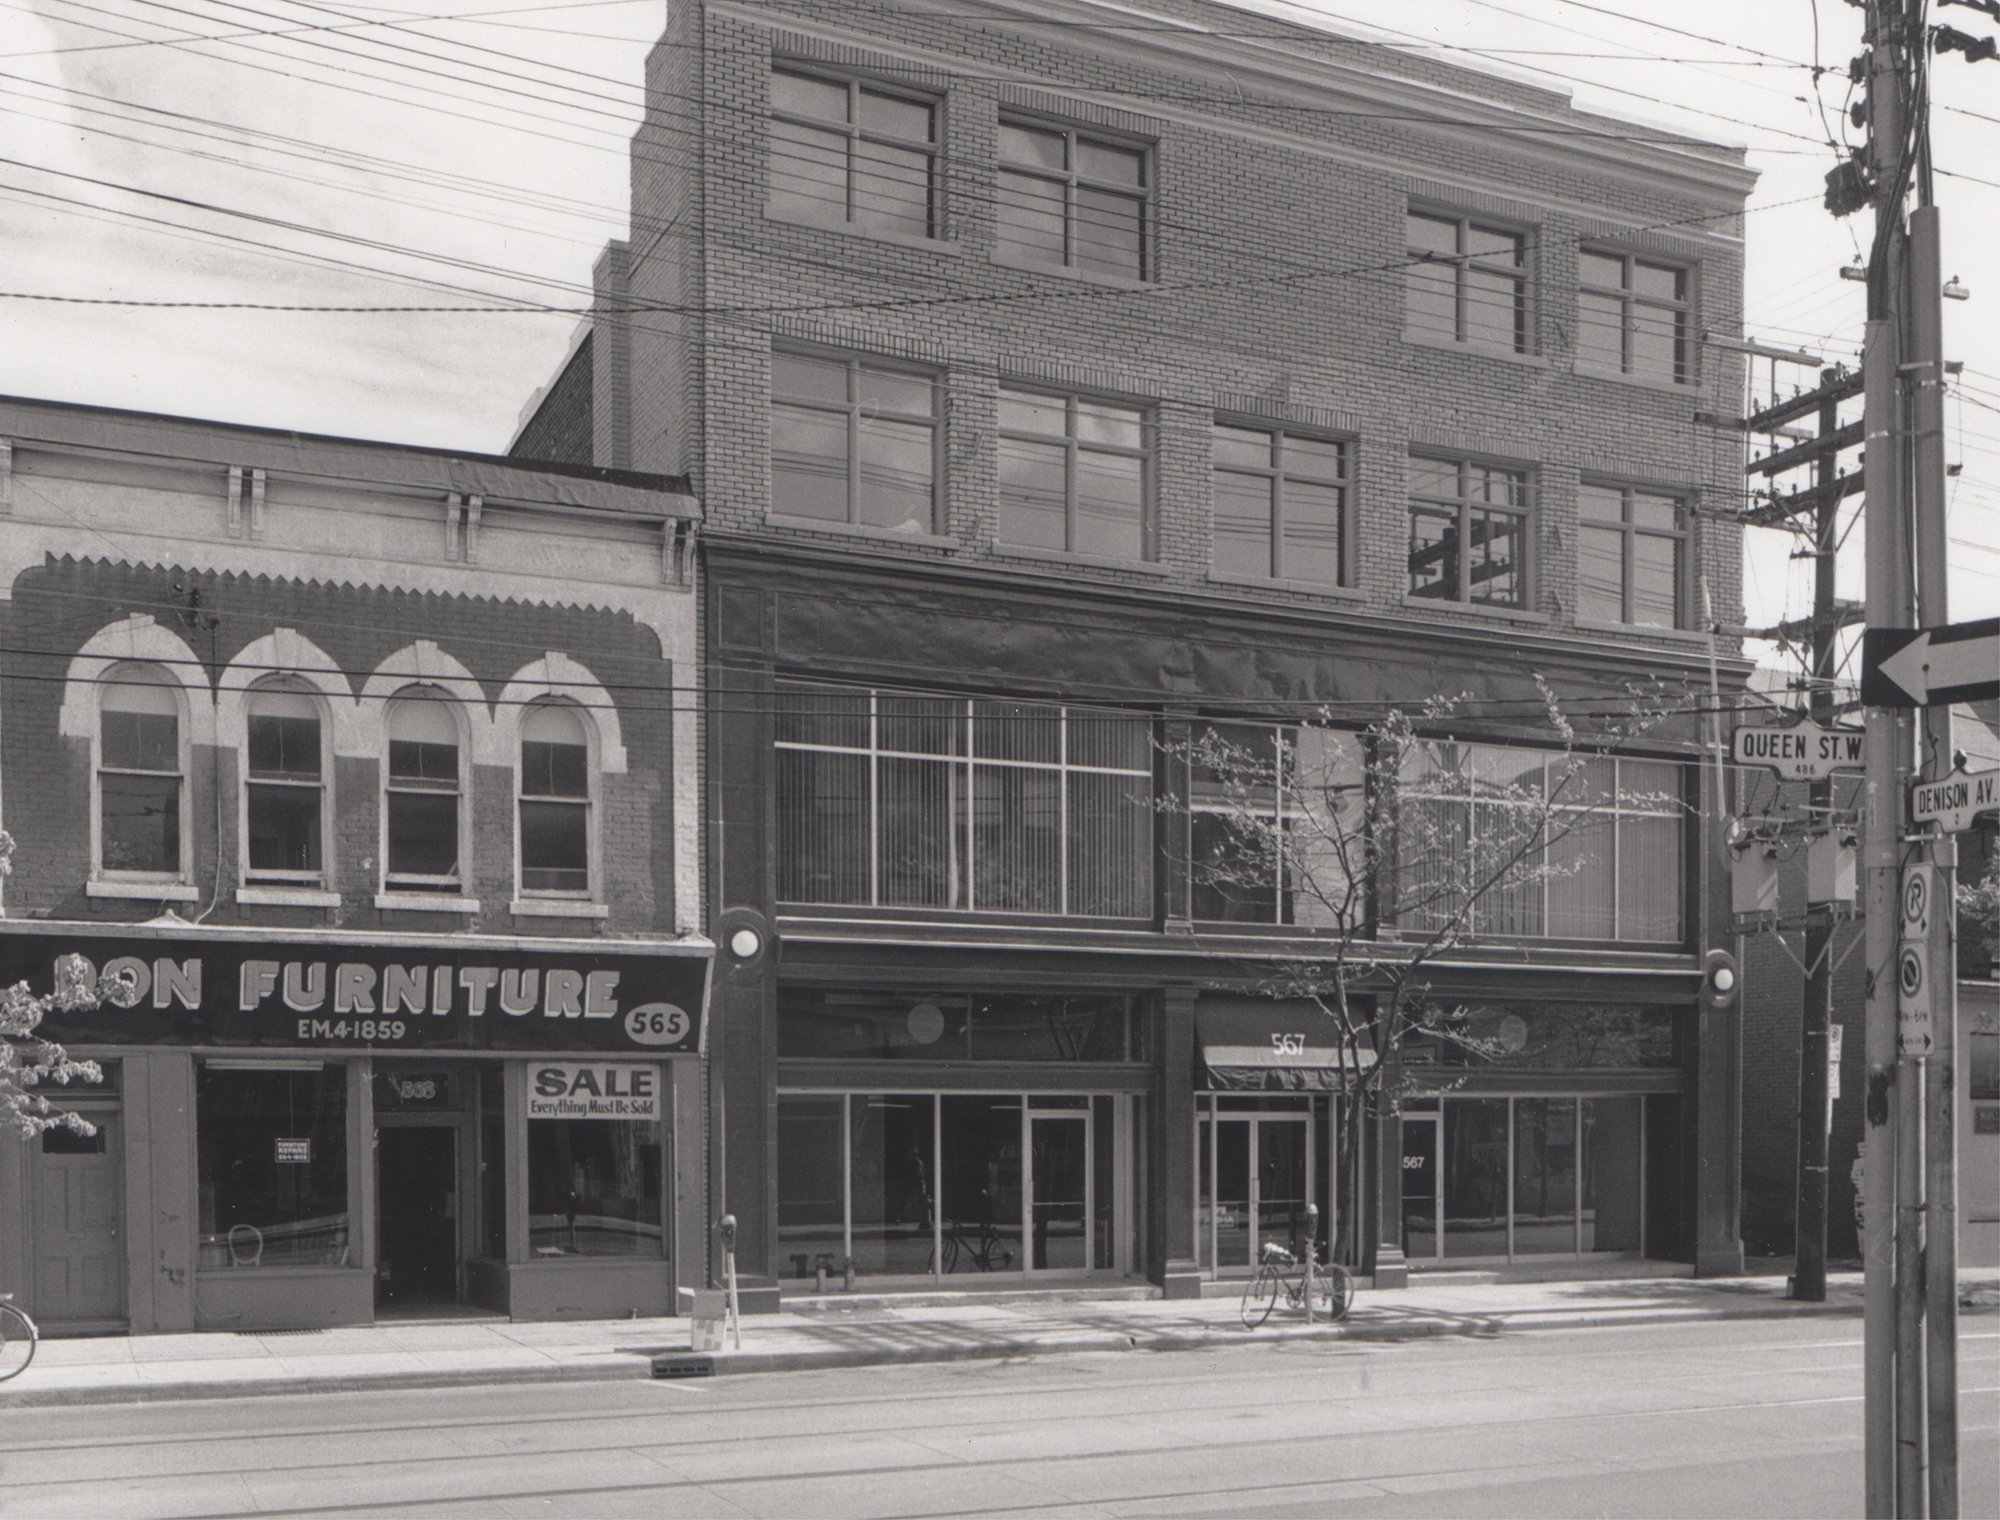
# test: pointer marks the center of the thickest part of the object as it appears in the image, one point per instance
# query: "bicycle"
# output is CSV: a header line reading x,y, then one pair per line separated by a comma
x,y
988,1252
18,1337
1322,1289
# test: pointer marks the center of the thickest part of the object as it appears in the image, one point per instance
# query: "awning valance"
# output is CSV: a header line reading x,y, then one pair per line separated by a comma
x,y
1275,1045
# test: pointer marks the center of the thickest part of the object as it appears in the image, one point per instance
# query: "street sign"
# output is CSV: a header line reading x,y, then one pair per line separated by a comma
x,y
1799,751
1953,802
1923,667
1913,991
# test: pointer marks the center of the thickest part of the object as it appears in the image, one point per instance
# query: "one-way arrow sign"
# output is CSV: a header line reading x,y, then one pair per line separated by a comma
x,y
1923,667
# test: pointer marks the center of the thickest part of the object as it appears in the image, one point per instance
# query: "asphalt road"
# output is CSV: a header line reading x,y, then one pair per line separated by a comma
x,y
1742,1418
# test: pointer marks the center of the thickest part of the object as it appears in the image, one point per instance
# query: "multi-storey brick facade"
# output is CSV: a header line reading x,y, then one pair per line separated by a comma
x,y
357,764
964,328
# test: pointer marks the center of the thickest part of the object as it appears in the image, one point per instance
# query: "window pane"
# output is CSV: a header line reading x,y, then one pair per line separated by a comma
x,y
804,378
555,846
423,833
896,489
1025,412
886,390
1433,555
1315,457
922,725
1613,1173
1029,731
594,1187
892,189
1475,1177
1110,164
1110,845
1660,282
802,95
554,770
1649,879
811,1204
1110,505
1656,591
1660,514
979,1176
809,463
1243,525
1235,873
1431,234
1029,222
1602,270
890,1176
1110,233
1600,573
1433,299
1492,308
1245,447
1110,739
141,824
808,173
1494,244
1034,508
423,718
410,760
284,746
1103,422
283,825
1544,1176
823,824
1657,343
1017,839
1434,478
1312,533
1602,504
822,715
271,1158
1494,565
922,856
1583,891
894,116
1032,146
1600,334
141,741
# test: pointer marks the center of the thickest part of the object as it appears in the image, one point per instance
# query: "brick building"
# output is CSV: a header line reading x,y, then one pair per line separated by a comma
x,y
1059,385
358,764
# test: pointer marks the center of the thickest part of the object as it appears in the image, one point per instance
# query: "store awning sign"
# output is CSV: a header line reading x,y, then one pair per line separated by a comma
x,y
1275,1045
593,1090
414,995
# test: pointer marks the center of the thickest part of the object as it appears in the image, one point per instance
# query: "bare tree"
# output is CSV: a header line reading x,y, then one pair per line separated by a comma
x,y
26,1059
1390,846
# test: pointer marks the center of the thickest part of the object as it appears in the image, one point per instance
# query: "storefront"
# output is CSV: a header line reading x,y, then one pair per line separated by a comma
x,y
330,1130
927,1135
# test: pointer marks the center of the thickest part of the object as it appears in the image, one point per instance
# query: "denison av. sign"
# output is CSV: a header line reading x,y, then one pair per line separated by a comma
x,y
1799,751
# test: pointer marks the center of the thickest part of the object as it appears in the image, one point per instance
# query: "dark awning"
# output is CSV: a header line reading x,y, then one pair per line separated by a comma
x,y
1275,1045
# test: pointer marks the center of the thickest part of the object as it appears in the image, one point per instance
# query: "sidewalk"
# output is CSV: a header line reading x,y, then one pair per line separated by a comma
x,y
864,1331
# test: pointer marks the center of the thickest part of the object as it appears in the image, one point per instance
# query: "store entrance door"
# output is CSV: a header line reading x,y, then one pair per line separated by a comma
x,y
1262,1171
79,1261
1421,1231
1059,1192
416,1191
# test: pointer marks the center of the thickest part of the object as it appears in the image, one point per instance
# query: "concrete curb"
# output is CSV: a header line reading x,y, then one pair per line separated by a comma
x,y
1368,1326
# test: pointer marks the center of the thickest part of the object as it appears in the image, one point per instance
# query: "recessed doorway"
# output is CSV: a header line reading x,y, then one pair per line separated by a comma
x,y
417,1216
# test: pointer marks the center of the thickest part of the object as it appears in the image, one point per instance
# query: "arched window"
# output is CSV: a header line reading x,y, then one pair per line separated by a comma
x,y
555,801
283,787
141,777
423,792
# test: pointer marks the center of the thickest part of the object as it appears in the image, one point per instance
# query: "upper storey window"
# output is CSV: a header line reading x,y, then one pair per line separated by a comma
x,y
1468,281
1632,556
1468,533
854,155
1074,474
1633,317
853,441
141,775
555,801
423,793
283,792
1280,504
1075,200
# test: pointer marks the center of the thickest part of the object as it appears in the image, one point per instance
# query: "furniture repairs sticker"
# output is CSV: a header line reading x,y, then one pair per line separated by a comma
x,y
593,1090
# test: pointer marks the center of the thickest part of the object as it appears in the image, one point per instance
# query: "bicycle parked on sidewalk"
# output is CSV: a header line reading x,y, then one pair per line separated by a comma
x,y
18,1337
1324,1290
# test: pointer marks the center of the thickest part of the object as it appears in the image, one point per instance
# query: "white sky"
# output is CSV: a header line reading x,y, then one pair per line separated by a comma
x,y
474,154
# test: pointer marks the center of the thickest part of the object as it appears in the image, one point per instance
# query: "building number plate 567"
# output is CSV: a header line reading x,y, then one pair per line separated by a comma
x,y
657,1024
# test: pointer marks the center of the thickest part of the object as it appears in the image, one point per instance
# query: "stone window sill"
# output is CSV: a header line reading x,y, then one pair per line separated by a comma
x,y
286,897
557,907
1089,561
1278,583
426,902
1643,382
1477,609
142,891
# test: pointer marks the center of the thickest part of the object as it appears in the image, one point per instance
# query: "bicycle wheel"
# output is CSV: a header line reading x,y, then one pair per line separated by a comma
x,y
1260,1294
1333,1291
17,1341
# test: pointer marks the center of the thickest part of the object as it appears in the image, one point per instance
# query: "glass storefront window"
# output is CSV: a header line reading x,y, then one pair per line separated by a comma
x,y
979,1177
1613,1174
811,1210
1475,1177
271,1162
594,1187
1555,1036
1544,1189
